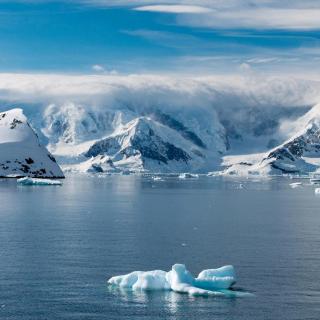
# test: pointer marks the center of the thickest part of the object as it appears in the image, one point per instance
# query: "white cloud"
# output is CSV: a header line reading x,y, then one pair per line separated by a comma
x,y
234,97
98,68
259,14
226,14
101,69
152,90
174,9
257,18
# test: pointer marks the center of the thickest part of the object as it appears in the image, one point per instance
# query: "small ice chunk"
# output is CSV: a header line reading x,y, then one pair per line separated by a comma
x,y
211,282
295,184
317,191
188,176
27,181
157,179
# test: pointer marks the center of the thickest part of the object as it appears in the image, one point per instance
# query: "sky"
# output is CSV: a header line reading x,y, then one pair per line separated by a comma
x,y
198,37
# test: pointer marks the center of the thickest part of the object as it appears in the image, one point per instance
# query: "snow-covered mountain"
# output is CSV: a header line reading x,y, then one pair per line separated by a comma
x,y
87,139
140,141
300,154
20,151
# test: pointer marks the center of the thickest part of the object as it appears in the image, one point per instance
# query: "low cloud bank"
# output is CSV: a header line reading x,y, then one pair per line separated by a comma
x,y
245,100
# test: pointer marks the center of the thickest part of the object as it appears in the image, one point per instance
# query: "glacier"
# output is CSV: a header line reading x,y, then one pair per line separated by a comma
x,y
211,282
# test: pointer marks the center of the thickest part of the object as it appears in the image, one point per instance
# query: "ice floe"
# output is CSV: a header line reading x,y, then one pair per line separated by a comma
x,y
317,191
27,181
211,282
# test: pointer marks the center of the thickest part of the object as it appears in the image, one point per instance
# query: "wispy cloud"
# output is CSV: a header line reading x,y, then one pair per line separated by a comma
x,y
257,18
232,14
174,9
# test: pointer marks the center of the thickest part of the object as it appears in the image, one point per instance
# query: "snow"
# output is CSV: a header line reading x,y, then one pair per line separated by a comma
x,y
211,282
38,182
20,151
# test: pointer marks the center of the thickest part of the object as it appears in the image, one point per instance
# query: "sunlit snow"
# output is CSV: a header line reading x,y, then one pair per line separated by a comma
x,y
211,282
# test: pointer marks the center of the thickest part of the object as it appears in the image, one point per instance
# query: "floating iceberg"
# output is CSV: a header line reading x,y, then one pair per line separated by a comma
x,y
211,282
317,191
38,182
188,176
157,178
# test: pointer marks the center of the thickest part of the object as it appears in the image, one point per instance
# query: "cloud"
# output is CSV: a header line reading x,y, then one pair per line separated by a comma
x,y
98,68
174,9
232,14
101,69
237,98
257,18
253,88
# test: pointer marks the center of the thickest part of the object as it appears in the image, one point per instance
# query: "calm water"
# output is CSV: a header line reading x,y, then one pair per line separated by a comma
x,y
58,245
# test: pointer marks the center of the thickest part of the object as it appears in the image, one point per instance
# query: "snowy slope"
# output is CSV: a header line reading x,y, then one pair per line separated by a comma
x,y
20,152
145,144
299,154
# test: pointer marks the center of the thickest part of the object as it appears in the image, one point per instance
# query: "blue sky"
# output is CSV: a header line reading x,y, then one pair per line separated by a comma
x,y
196,37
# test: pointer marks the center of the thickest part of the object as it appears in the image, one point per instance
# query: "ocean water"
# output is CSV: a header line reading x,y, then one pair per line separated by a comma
x,y
59,245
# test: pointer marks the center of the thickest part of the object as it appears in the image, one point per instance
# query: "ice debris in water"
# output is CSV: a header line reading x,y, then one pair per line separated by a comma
x,y
295,184
188,176
157,178
317,191
27,181
211,282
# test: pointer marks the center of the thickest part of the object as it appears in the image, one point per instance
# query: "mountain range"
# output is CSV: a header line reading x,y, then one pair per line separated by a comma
x,y
174,128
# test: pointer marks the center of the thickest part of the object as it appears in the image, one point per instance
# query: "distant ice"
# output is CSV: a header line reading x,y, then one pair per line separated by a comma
x,y
38,182
315,180
317,191
211,282
295,184
157,178
188,176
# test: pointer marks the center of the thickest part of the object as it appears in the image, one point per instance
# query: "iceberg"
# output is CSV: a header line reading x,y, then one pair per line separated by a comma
x,y
188,176
317,191
27,181
157,179
211,282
